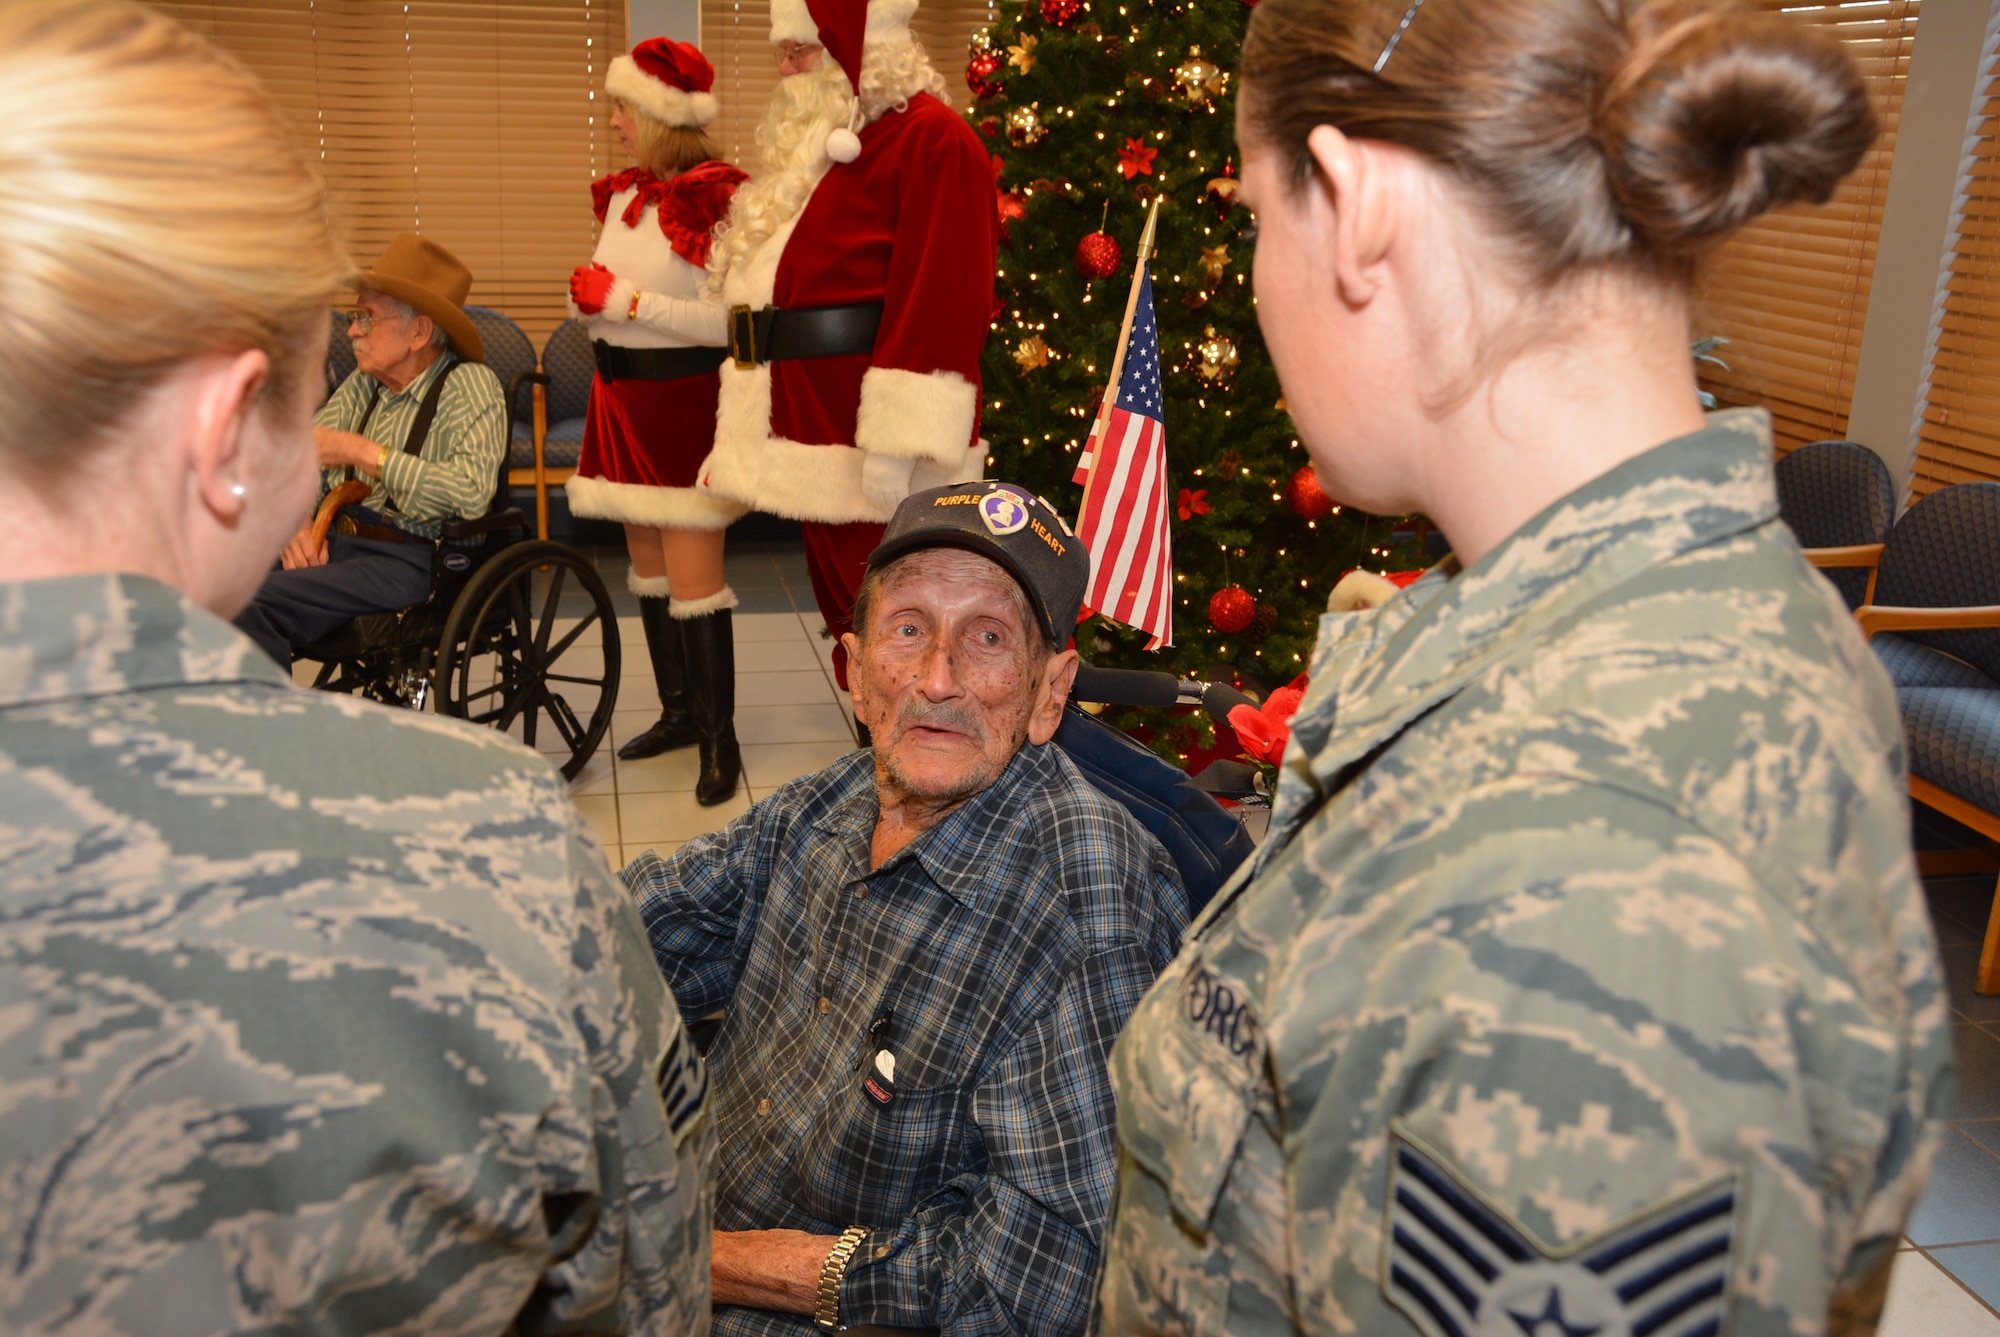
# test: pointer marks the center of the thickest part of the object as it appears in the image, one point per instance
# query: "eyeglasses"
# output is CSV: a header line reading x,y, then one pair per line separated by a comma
x,y
363,322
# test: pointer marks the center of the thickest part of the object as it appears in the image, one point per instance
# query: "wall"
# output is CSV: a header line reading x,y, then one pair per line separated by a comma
x,y
678,19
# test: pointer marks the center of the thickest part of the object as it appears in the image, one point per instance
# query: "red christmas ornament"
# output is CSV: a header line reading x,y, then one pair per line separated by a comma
x,y
1231,609
989,126
1098,256
979,74
1306,497
1062,13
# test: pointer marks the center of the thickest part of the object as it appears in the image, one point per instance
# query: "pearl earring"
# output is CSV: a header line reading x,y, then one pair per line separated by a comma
x,y
236,490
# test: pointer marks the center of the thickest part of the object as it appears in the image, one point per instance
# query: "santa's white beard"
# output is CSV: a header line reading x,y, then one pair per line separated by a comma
x,y
791,140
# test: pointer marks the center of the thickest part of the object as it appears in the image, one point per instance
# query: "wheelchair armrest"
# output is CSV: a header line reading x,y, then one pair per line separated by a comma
x,y
1884,617
493,522
345,495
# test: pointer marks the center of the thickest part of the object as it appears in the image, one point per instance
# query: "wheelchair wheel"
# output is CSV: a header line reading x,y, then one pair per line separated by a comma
x,y
517,650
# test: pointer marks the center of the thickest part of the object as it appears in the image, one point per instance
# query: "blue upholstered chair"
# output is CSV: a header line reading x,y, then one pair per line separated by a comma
x,y
1934,621
339,354
1838,498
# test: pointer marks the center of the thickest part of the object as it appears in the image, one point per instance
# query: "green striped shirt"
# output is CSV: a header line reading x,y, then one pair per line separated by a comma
x,y
454,476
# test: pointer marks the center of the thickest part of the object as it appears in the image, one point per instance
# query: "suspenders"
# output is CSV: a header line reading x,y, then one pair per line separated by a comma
x,y
420,427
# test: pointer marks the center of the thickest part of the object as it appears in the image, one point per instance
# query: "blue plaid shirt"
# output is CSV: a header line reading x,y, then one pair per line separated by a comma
x,y
996,957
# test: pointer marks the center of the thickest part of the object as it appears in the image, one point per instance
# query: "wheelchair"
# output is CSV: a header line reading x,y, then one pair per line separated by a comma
x,y
503,638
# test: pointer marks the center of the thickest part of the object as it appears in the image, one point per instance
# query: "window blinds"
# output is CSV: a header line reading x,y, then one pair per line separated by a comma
x,y
1958,438
736,38
479,123
1790,291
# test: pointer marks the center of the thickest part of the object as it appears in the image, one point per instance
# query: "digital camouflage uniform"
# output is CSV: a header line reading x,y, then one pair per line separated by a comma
x,y
314,1015
1584,986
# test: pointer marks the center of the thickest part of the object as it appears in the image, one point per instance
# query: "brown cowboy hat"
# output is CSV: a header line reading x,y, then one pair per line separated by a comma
x,y
417,271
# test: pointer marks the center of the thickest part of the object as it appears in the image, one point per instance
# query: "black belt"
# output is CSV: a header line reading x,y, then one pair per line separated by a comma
x,y
805,331
616,363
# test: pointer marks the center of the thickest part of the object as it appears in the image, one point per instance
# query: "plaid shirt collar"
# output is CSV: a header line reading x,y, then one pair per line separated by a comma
x,y
957,854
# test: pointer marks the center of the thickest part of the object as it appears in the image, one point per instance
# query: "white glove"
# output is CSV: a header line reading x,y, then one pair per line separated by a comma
x,y
885,480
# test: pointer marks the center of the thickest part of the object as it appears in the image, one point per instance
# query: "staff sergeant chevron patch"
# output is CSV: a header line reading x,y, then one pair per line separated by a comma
x,y
1458,1267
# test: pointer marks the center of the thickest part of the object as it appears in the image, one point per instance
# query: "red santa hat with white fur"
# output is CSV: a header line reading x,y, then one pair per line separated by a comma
x,y
667,80
844,28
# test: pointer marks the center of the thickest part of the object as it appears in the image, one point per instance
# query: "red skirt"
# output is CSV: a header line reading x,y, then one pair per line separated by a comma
x,y
649,433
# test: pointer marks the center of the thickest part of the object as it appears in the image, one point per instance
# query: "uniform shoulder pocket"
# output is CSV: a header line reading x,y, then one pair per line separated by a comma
x,y
1187,1071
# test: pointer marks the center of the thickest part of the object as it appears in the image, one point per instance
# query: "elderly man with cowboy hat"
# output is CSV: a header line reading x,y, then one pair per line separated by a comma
x,y
421,418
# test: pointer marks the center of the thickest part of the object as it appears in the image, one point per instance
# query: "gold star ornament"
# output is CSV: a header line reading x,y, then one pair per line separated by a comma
x,y
1022,56
1214,259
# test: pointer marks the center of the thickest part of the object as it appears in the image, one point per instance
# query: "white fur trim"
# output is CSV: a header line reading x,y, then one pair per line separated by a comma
x,y
619,299
796,481
661,101
791,21
682,609
657,507
842,144
912,415
648,587
889,20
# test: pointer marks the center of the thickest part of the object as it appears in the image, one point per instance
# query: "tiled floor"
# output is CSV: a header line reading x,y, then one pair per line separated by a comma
x,y
792,721
790,718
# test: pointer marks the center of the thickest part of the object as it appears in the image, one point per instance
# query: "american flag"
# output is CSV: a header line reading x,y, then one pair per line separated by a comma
x,y
1124,477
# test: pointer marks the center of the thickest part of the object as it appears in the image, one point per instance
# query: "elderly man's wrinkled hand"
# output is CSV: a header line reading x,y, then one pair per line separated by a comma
x,y
300,550
350,449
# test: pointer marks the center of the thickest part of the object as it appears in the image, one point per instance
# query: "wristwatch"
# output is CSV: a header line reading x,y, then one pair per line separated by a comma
x,y
826,1312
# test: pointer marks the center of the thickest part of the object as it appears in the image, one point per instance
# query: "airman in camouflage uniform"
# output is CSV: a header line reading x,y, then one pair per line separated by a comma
x,y
1583,986
314,1016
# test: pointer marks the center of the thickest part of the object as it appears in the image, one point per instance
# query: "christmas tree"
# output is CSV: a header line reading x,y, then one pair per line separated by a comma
x,y
1092,109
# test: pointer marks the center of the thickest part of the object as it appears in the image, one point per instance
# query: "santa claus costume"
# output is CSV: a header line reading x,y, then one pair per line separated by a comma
x,y
651,419
858,268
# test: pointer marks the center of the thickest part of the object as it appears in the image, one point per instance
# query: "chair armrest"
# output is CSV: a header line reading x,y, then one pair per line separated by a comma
x,y
519,379
345,495
1854,555
1883,617
491,523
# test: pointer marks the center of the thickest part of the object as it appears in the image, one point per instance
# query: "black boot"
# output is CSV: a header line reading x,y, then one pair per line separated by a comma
x,y
711,661
663,646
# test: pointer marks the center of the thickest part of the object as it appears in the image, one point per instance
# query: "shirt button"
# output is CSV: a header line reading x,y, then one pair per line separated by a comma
x,y
860,892
881,1251
763,1107
825,1006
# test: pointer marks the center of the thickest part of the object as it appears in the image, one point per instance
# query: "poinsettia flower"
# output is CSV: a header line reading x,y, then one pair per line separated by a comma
x,y
1190,504
1264,730
1135,159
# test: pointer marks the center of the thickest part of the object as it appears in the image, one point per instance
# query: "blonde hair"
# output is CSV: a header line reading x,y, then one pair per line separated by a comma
x,y
664,149
153,208
791,139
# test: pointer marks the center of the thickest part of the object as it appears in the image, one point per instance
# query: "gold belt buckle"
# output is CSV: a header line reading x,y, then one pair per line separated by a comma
x,y
343,523
743,337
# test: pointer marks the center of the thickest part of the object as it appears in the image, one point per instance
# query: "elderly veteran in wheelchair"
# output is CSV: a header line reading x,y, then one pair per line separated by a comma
x,y
422,423
925,952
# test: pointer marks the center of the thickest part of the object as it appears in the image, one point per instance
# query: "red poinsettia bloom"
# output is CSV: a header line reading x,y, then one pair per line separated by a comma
x,y
1135,159
1190,504
1264,732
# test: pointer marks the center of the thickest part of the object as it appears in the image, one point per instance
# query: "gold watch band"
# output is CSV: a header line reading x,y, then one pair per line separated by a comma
x,y
826,1309
382,462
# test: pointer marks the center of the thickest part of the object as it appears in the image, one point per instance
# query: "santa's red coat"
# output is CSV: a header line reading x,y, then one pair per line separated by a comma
x,y
910,223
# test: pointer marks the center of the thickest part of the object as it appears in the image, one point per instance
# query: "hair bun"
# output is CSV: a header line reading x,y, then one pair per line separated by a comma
x,y
1715,116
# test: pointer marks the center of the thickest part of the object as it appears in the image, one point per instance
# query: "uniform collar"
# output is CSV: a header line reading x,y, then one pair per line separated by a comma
x,y
1373,674
78,636
957,854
